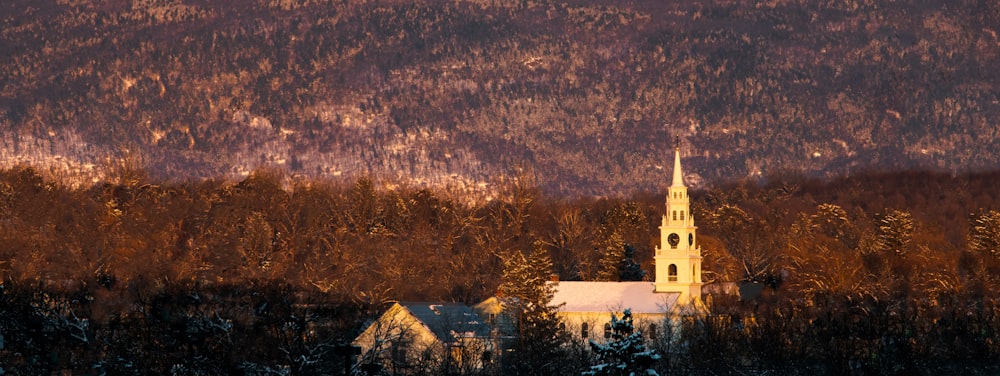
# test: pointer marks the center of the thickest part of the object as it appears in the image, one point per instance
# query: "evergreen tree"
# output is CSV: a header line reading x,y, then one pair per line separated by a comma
x,y
896,232
611,260
629,269
621,226
618,262
625,354
984,233
526,297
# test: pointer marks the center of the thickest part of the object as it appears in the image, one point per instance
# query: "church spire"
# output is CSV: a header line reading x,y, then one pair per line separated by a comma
x,y
678,257
678,174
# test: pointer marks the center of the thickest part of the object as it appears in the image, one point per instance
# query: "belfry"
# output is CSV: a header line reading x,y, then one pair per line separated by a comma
x,y
678,257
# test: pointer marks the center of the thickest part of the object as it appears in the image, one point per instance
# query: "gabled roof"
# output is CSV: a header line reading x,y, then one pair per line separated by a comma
x,y
448,321
613,297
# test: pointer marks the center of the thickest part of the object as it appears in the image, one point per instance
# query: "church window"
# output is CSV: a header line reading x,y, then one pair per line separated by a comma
x,y
682,215
607,331
672,273
584,330
675,215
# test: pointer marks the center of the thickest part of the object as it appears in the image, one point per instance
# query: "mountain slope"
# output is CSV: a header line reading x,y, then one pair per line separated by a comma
x,y
588,96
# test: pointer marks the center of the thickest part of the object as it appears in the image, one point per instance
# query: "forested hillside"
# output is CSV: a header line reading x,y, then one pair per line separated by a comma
x,y
875,272
459,94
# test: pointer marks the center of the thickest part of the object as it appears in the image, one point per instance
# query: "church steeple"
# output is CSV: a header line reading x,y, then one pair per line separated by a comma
x,y
678,173
677,258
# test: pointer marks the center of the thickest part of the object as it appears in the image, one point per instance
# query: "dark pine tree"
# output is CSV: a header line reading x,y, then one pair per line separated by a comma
x,y
625,354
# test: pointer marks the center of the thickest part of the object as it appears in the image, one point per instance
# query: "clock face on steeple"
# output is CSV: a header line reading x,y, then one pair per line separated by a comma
x,y
673,239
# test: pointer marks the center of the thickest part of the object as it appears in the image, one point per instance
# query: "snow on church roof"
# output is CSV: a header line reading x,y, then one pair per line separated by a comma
x,y
612,297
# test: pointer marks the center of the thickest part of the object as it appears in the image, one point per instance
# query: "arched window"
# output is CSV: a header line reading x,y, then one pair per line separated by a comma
x,y
607,331
682,215
675,215
584,330
672,273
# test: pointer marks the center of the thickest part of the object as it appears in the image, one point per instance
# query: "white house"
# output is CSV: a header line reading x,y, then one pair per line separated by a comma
x,y
430,336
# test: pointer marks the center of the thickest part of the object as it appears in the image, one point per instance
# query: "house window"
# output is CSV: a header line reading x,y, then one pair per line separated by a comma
x,y
672,273
399,351
584,330
455,353
607,331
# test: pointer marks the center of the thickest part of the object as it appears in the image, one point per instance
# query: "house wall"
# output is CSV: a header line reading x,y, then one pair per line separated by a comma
x,y
396,340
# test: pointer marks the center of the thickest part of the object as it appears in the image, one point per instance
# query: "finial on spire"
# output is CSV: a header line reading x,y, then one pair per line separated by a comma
x,y
678,175
677,142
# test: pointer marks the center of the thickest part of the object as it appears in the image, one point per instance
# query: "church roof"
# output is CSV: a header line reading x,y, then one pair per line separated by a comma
x,y
613,297
448,321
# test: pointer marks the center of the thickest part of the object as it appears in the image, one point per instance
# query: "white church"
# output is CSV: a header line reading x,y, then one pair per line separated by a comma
x,y
676,287
675,291
585,307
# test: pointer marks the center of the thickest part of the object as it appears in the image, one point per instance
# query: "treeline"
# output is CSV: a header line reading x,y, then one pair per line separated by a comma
x,y
873,270
441,93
